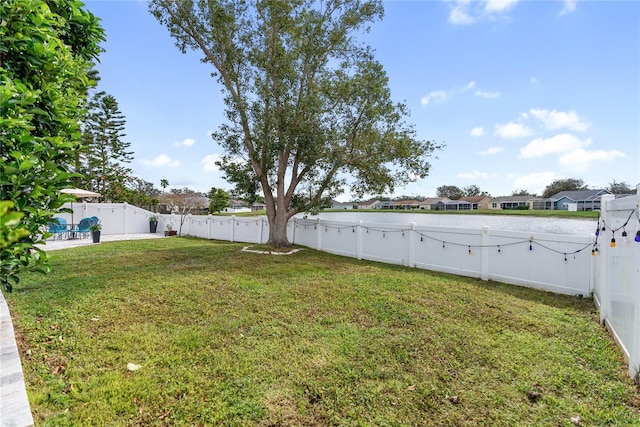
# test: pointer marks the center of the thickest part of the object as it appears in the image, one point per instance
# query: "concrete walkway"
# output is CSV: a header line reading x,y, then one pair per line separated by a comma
x,y
14,403
53,245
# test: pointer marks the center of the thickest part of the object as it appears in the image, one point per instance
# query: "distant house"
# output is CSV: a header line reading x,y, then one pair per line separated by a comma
x,y
434,203
407,204
478,202
258,206
339,205
458,205
236,206
515,202
581,200
368,204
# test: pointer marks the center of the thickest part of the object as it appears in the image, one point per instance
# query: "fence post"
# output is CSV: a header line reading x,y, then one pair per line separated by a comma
x,y
189,218
209,222
261,229
412,245
318,234
293,233
124,218
359,240
604,260
233,227
485,252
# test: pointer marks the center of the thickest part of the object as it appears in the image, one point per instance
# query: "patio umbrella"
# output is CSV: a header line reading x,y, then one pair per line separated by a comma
x,y
80,194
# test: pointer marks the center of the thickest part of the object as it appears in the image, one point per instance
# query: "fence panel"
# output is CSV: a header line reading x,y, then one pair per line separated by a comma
x,y
619,278
560,264
449,250
385,243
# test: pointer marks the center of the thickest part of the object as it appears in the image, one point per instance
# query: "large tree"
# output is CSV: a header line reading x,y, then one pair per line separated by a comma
x,y
568,184
105,154
452,192
46,49
309,109
218,199
620,188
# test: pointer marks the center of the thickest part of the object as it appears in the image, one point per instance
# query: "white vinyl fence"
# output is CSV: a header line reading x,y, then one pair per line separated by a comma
x,y
572,265
617,275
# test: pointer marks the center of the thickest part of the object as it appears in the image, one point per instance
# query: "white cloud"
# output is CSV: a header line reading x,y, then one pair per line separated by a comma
x,y
470,85
209,162
568,6
459,13
477,131
499,6
161,160
562,143
435,97
473,175
512,130
533,80
487,94
535,182
580,160
187,142
492,150
555,119
467,12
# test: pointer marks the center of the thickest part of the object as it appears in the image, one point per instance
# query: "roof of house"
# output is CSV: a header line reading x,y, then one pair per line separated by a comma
x,y
474,199
579,195
515,199
434,200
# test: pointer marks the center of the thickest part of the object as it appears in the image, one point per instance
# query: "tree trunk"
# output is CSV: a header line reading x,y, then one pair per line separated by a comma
x,y
278,229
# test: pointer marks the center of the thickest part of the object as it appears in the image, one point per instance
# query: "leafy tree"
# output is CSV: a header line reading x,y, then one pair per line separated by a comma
x,y
522,192
46,49
450,191
218,199
620,188
309,109
472,190
105,152
141,193
164,184
569,184
183,201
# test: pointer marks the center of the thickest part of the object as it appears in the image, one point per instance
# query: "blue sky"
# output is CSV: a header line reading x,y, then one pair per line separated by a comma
x,y
521,92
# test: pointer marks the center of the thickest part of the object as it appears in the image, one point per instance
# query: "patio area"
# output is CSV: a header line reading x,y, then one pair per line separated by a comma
x,y
53,245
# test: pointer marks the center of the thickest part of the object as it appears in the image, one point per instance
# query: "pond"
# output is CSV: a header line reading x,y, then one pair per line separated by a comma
x,y
567,226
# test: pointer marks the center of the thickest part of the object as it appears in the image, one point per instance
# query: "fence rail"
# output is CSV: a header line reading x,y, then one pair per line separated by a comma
x,y
572,265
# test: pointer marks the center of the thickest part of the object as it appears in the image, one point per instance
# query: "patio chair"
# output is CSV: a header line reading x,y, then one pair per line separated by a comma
x,y
83,227
58,227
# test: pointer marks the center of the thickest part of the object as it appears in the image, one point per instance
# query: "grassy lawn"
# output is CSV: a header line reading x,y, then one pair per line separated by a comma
x,y
225,337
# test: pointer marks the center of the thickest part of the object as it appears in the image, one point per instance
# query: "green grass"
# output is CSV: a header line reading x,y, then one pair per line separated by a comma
x,y
226,337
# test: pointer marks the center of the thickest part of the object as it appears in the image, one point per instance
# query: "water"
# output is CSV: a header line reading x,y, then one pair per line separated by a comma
x,y
575,227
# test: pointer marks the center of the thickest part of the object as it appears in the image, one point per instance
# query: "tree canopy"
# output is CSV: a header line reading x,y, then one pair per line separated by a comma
x,y
568,184
309,112
46,49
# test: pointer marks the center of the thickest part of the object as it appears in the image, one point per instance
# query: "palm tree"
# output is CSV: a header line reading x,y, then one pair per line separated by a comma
x,y
164,184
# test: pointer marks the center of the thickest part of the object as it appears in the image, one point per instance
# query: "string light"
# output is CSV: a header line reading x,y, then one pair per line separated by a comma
x,y
499,249
469,250
613,241
421,238
530,245
637,238
565,257
625,239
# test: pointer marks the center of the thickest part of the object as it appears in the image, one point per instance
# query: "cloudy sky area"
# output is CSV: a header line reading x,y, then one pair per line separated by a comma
x,y
522,93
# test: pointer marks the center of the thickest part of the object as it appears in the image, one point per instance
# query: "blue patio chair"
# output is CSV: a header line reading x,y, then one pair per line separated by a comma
x,y
83,227
58,227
